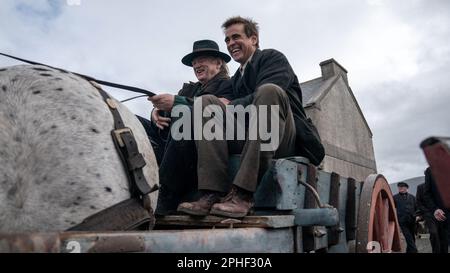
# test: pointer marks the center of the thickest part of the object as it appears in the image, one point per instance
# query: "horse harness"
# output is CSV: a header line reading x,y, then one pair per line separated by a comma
x,y
135,212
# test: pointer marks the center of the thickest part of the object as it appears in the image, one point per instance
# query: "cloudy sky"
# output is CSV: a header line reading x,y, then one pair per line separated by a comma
x,y
397,52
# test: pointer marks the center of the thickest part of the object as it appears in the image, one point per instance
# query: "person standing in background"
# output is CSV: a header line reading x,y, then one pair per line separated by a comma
x,y
406,212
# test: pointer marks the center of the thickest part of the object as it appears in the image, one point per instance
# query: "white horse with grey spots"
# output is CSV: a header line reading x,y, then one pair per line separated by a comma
x,y
58,162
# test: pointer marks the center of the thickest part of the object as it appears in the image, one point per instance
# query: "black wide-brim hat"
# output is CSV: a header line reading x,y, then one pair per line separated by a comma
x,y
204,48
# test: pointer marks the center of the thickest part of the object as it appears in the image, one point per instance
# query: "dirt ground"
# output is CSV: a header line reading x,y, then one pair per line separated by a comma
x,y
423,243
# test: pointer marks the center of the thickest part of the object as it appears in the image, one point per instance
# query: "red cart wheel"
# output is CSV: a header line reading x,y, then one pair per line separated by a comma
x,y
378,229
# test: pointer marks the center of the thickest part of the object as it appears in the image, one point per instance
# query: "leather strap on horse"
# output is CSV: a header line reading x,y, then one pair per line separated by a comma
x,y
136,211
126,215
122,136
132,213
128,150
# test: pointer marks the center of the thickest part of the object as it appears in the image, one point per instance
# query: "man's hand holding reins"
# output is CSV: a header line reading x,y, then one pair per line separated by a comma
x,y
163,102
159,120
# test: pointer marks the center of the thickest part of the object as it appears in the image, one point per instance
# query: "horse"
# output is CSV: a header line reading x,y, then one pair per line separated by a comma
x,y
58,162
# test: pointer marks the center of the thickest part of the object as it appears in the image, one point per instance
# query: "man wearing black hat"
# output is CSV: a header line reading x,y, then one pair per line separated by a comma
x,y
406,213
177,170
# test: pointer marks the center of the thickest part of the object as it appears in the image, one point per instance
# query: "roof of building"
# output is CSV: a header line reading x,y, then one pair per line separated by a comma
x,y
313,91
309,89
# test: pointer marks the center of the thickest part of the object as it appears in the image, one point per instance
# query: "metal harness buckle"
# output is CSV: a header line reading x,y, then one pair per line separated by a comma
x,y
117,134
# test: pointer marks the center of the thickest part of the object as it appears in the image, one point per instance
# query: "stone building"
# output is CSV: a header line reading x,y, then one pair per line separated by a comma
x,y
347,137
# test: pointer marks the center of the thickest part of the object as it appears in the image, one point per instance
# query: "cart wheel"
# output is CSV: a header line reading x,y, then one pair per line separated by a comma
x,y
377,229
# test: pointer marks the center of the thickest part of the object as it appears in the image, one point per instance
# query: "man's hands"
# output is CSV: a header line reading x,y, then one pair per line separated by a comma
x,y
439,215
159,120
163,102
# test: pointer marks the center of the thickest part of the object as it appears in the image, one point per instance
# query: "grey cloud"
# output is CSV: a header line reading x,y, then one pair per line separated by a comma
x,y
40,9
402,114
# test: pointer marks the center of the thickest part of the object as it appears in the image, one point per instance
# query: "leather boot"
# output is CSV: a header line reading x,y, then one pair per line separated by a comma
x,y
202,206
237,204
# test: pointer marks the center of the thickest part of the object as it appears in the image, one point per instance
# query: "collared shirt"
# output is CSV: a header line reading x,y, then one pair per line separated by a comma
x,y
242,68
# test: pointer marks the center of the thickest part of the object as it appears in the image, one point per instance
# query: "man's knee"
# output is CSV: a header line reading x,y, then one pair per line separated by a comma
x,y
270,93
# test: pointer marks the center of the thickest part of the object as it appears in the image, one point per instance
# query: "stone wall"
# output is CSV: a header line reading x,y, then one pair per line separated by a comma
x,y
346,137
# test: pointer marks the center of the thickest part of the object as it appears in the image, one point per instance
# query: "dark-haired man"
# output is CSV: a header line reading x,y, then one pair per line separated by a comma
x,y
264,78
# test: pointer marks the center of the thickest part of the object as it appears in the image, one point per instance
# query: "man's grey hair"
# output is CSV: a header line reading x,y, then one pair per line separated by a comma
x,y
224,67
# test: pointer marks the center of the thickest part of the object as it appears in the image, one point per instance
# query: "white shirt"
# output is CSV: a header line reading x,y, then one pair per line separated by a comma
x,y
242,68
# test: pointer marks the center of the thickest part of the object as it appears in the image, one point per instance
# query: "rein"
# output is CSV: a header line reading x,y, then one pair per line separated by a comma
x,y
88,78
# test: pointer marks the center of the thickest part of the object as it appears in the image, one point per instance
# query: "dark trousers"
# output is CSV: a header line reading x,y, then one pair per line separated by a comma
x,y
448,232
213,154
177,161
408,230
158,138
438,234
178,170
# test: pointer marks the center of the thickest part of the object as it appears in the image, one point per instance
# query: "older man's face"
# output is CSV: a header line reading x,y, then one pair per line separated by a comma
x,y
205,68
239,45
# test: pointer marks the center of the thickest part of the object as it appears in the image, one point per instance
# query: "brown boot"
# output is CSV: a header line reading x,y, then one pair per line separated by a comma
x,y
202,206
237,204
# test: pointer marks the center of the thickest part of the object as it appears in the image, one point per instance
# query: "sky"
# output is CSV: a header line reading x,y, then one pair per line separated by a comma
x,y
397,53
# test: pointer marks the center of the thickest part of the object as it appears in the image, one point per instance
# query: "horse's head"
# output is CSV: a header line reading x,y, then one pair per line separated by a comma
x,y
58,163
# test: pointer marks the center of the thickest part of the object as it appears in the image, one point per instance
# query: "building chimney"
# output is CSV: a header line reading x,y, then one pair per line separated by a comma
x,y
331,68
